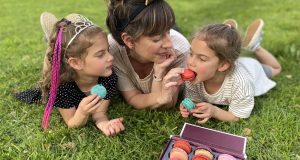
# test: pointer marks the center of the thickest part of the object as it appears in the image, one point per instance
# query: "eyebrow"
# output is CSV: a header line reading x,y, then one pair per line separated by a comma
x,y
99,51
198,54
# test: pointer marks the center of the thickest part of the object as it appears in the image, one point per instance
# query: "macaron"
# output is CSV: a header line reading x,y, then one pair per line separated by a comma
x,y
188,75
200,157
178,154
205,153
226,157
188,104
100,90
183,145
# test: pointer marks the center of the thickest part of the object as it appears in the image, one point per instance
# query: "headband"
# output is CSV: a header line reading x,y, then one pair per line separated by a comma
x,y
121,24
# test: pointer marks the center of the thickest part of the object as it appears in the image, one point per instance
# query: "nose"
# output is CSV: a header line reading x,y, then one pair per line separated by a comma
x,y
110,57
190,61
167,43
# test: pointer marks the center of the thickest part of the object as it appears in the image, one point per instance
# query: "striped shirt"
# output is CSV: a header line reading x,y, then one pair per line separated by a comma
x,y
128,79
238,89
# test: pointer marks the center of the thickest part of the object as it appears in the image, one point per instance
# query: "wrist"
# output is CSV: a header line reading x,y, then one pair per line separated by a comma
x,y
100,124
159,72
157,78
215,110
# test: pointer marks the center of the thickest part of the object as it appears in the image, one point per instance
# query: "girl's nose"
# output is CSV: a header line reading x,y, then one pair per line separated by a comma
x,y
110,57
190,61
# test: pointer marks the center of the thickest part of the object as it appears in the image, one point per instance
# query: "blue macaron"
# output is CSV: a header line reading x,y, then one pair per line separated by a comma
x,y
100,90
188,104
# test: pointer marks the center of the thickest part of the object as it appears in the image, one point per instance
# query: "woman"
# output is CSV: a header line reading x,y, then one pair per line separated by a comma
x,y
145,48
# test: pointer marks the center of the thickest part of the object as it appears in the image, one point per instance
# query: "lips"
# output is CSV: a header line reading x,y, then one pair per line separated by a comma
x,y
109,67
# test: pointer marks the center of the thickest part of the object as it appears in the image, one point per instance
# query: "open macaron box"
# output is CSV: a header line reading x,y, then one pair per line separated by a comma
x,y
219,142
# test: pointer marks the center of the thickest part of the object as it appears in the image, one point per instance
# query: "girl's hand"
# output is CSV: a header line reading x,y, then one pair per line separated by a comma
x,y
112,127
89,104
204,111
161,65
184,112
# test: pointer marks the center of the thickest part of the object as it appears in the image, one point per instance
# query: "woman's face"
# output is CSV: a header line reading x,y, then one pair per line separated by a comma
x,y
153,48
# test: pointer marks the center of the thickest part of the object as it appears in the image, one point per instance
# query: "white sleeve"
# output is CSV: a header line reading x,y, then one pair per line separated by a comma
x,y
242,101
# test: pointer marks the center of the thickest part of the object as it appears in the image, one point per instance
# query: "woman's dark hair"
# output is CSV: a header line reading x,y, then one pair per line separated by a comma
x,y
137,19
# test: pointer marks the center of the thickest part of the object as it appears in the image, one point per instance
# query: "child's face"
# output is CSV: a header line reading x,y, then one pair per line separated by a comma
x,y
98,61
203,61
153,49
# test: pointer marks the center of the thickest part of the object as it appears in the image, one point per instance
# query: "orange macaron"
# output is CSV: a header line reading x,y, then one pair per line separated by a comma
x,y
178,154
183,145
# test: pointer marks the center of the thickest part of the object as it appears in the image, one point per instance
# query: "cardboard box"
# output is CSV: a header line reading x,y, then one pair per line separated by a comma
x,y
219,142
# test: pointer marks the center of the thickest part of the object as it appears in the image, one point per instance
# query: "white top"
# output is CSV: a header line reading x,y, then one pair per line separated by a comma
x,y
247,80
128,79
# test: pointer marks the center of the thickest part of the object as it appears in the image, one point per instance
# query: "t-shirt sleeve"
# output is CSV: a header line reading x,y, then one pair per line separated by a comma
x,y
110,83
242,101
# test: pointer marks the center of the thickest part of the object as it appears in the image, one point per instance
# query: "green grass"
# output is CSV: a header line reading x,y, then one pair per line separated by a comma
x,y
274,123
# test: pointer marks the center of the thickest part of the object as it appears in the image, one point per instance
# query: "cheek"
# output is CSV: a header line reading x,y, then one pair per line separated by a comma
x,y
205,71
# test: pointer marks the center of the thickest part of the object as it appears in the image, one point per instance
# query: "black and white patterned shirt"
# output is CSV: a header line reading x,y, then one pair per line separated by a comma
x,y
68,94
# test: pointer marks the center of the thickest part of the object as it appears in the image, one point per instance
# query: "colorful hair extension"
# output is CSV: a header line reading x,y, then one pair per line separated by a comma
x,y
55,71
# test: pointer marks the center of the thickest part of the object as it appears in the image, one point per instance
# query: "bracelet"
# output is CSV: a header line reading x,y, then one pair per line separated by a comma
x,y
156,78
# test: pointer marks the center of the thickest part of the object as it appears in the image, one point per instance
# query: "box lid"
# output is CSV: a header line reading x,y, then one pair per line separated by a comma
x,y
219,141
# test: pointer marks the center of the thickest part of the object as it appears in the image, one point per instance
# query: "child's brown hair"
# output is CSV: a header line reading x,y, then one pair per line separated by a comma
x,y
223,39
76,49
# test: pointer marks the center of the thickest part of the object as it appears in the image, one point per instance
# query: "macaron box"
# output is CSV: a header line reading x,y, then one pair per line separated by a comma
x,y
200,143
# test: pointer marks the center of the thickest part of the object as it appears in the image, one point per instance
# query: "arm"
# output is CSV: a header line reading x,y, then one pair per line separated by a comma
x,y
166,96
78,117
140,100
205,111
108,127
240,107
208,110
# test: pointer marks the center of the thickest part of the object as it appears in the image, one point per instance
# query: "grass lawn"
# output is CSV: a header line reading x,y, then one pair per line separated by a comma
x,y
274,123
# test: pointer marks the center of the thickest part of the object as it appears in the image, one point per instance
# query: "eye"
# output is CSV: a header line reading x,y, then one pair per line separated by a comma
x,y
156,38
100,54
201,58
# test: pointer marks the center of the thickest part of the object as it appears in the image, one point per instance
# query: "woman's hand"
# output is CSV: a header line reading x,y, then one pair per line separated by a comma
x,y
112,127
160,66
89,104
204,111
170,84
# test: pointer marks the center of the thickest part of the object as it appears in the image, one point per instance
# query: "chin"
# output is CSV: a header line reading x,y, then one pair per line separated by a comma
x,y
106,74
196,81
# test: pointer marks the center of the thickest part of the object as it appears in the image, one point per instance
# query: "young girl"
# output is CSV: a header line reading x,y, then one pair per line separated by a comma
x,y
78,60
145,48
224,78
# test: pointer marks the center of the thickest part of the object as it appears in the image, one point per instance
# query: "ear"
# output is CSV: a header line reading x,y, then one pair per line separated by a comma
x,y
75,63
223,66
128,40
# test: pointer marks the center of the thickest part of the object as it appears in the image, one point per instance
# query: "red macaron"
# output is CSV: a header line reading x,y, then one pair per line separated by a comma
x,y
183,145
200,157
188,75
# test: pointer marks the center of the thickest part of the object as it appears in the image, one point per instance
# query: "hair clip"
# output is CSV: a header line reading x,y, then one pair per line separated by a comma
x,y
146,2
